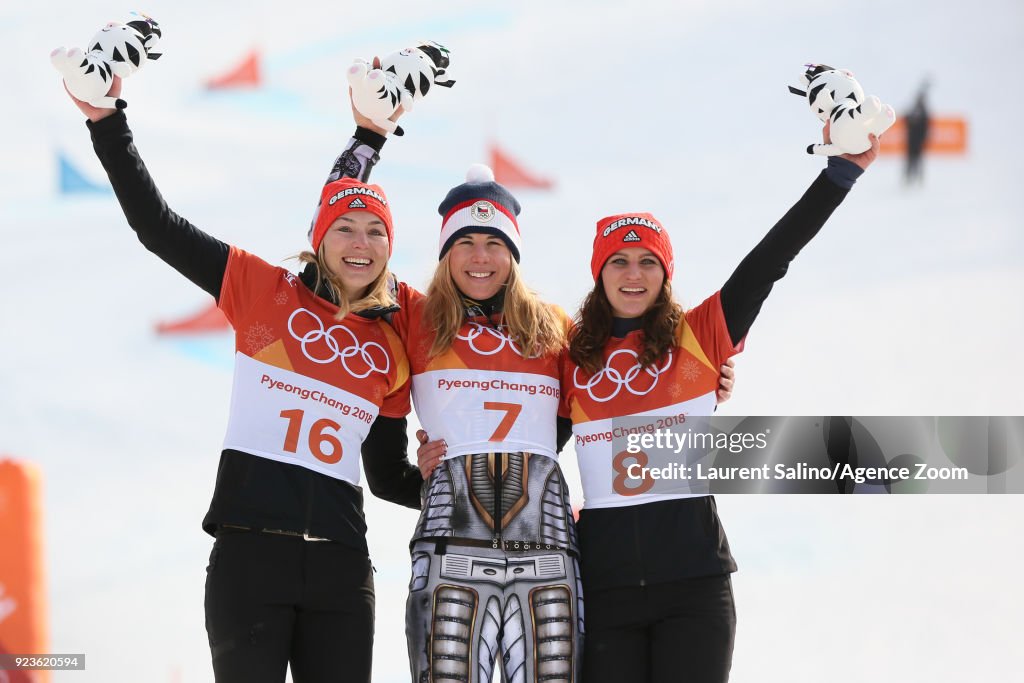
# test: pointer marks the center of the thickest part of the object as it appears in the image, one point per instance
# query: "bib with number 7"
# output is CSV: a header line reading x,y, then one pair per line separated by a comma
x,y
480,395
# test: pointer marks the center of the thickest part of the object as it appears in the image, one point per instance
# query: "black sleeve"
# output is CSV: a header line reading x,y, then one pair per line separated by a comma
x,y
193,253
749,286
389,473
563,432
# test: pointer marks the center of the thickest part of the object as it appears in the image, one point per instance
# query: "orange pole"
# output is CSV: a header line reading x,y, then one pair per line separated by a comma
x,y
23,624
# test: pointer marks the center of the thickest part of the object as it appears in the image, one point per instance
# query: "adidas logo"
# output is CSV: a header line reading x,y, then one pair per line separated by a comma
x,y
631,236
357,203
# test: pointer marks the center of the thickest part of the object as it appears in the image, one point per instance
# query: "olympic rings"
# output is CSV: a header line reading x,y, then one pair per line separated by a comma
x,y
476,329
619,379
331,345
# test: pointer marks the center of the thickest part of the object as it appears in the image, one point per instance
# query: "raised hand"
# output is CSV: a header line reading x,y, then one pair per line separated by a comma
x,y
94,114
864,159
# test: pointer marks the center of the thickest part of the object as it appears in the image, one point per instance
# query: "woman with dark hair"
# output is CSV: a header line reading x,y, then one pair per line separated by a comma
x,y
317,371
655,561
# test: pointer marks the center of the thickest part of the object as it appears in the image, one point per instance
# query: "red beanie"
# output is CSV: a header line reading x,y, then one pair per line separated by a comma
x,y
631,230
348,194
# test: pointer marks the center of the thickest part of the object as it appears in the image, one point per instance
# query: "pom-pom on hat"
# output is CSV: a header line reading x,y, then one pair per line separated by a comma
x,y
345,195
479,205
631,230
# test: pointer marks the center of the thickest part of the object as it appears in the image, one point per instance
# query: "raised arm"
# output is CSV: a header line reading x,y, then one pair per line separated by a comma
x,y
767,263
389,474
359,157
193,253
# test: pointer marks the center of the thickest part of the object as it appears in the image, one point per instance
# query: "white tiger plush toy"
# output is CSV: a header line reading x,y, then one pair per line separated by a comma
x,y
404,77
116,50
417,68
376,94
835,95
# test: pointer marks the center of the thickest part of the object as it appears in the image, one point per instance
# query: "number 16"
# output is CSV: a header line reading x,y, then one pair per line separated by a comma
x,y
317,436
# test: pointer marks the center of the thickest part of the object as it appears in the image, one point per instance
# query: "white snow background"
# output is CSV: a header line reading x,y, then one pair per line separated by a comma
x,y
907,303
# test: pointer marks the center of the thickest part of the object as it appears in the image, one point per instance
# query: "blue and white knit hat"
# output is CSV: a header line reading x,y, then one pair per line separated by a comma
x,y
479,205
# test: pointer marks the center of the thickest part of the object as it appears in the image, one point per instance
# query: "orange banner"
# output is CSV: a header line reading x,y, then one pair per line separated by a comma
x,y
246,74
23,628
511,173
946,135
209,319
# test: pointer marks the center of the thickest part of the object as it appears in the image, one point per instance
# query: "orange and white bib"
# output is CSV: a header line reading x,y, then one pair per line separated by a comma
x,y
481,395
682,384
306,386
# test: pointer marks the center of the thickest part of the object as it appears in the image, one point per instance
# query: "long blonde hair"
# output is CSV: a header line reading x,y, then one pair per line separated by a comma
x,y
532,324
378,294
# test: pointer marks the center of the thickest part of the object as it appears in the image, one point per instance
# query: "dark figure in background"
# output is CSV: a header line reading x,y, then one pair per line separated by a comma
x,y
917,134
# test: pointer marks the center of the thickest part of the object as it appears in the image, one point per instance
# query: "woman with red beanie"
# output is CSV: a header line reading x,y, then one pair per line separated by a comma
x,y
655,561
317,371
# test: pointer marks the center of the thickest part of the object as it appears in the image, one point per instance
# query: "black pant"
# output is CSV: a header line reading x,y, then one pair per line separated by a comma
x,y
272,600
678,632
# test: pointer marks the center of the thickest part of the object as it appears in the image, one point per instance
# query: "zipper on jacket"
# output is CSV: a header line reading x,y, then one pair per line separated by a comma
x,y
498,462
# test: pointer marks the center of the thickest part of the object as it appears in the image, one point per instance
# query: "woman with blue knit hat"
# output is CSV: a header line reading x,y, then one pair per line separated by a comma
x,y
494,563
494,554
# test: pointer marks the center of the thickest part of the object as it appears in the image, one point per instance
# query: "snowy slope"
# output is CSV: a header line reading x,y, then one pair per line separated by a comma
x,y
906,304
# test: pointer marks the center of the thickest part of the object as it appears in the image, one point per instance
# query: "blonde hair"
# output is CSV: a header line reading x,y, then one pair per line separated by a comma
x,y
532,324
377,294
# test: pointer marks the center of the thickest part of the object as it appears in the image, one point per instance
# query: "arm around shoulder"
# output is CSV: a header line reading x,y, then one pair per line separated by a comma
x,y
389,473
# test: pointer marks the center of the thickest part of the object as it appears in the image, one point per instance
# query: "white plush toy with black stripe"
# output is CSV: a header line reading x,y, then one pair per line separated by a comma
x,y
116,50
418,68
376,94
403,78
835,95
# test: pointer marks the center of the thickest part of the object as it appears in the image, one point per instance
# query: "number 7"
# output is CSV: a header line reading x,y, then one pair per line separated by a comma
x,y
511,410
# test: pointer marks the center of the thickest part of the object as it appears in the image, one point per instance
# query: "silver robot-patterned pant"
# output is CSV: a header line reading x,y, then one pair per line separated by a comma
x,y
495,581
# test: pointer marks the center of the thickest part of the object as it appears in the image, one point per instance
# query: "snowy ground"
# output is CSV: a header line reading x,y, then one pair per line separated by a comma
x,y
906,304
